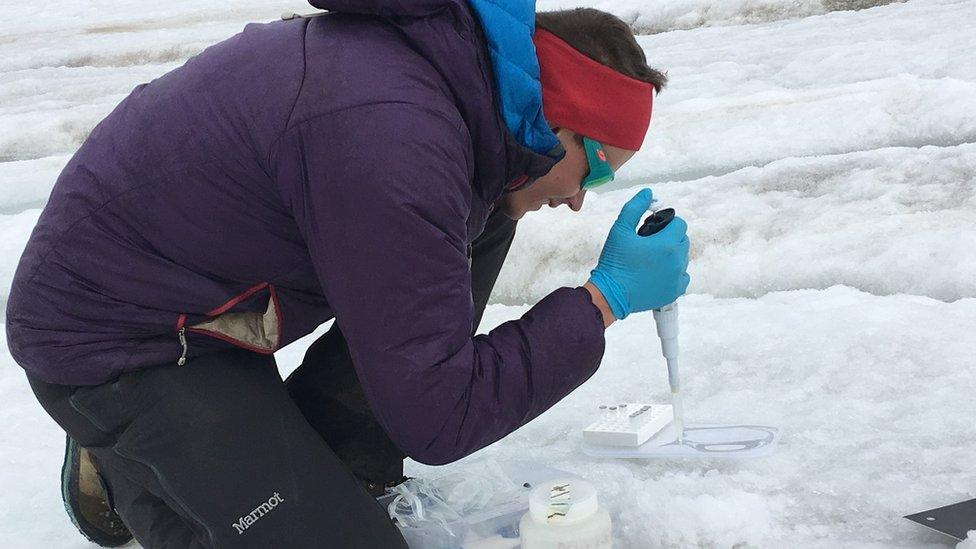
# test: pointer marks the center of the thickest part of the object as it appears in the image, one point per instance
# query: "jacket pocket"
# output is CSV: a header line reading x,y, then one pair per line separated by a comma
x,y
260,332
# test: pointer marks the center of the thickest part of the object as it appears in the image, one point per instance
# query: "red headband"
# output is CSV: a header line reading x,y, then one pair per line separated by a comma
x,y
589,98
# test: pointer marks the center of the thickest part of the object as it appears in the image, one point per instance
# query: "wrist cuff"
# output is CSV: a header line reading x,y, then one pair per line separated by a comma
x,y
611,292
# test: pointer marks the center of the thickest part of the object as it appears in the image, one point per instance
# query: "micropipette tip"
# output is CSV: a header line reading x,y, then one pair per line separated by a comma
x,y
678,411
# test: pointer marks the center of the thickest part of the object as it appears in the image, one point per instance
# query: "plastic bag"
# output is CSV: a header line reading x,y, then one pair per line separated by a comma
x,y
477,507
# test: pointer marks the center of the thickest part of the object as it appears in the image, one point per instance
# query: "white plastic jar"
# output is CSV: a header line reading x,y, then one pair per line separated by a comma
x,y
565,514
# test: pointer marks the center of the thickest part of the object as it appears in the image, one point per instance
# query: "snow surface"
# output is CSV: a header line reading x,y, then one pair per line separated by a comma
x,y
825,161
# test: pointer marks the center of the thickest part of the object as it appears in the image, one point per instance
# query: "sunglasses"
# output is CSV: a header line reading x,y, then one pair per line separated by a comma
x,y
600,170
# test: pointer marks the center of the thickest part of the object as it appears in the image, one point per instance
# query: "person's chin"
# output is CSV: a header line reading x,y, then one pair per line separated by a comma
x,y
511,211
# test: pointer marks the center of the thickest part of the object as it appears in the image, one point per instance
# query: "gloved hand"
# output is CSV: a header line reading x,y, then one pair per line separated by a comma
x,y
638,273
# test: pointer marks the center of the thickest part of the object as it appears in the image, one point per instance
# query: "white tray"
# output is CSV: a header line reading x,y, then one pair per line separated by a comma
x,y
700,442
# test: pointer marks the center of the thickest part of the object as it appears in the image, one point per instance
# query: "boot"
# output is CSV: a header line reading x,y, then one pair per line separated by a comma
x,y
86,499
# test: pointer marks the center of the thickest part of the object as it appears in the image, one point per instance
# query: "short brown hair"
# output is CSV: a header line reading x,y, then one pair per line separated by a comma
x,y
603,38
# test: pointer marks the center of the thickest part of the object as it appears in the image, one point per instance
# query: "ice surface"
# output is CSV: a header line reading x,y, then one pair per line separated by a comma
x,y
886,221
662,16
826,163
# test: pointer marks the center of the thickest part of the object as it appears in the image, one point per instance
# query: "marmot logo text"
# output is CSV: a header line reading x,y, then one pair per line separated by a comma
x,y
247,520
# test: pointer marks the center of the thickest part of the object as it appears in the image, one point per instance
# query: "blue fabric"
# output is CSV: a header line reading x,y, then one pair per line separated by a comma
x,y
639,273
509,26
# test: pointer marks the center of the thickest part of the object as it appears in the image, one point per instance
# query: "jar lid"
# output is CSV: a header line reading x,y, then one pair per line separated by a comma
x,y
563,501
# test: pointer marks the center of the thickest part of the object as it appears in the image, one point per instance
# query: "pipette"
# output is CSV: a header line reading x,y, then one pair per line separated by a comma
x,y
666,319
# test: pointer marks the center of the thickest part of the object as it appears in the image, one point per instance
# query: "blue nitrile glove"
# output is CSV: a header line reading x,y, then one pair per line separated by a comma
x,y
638,273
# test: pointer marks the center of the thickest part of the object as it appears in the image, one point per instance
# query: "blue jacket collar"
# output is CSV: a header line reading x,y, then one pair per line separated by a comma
x,y
508,27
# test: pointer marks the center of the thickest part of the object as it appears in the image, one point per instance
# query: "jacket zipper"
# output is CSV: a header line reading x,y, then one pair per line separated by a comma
x,y
181,320
182,359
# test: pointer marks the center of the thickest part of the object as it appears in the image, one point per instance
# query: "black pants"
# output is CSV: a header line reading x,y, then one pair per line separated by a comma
x,y
221,453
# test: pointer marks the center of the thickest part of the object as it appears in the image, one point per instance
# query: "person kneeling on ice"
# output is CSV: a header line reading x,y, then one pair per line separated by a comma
x,y
367,165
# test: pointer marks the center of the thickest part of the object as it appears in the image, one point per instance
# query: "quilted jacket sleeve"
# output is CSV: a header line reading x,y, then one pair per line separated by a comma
x,y
382,195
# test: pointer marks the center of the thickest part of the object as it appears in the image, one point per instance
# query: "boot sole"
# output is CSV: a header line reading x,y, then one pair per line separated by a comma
x,y
70,495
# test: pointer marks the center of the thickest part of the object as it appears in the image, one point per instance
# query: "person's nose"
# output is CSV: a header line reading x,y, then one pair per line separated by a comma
x,y
575,202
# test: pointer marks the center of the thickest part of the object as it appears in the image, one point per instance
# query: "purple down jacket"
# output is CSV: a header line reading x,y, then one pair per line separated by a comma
x,y
335,166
